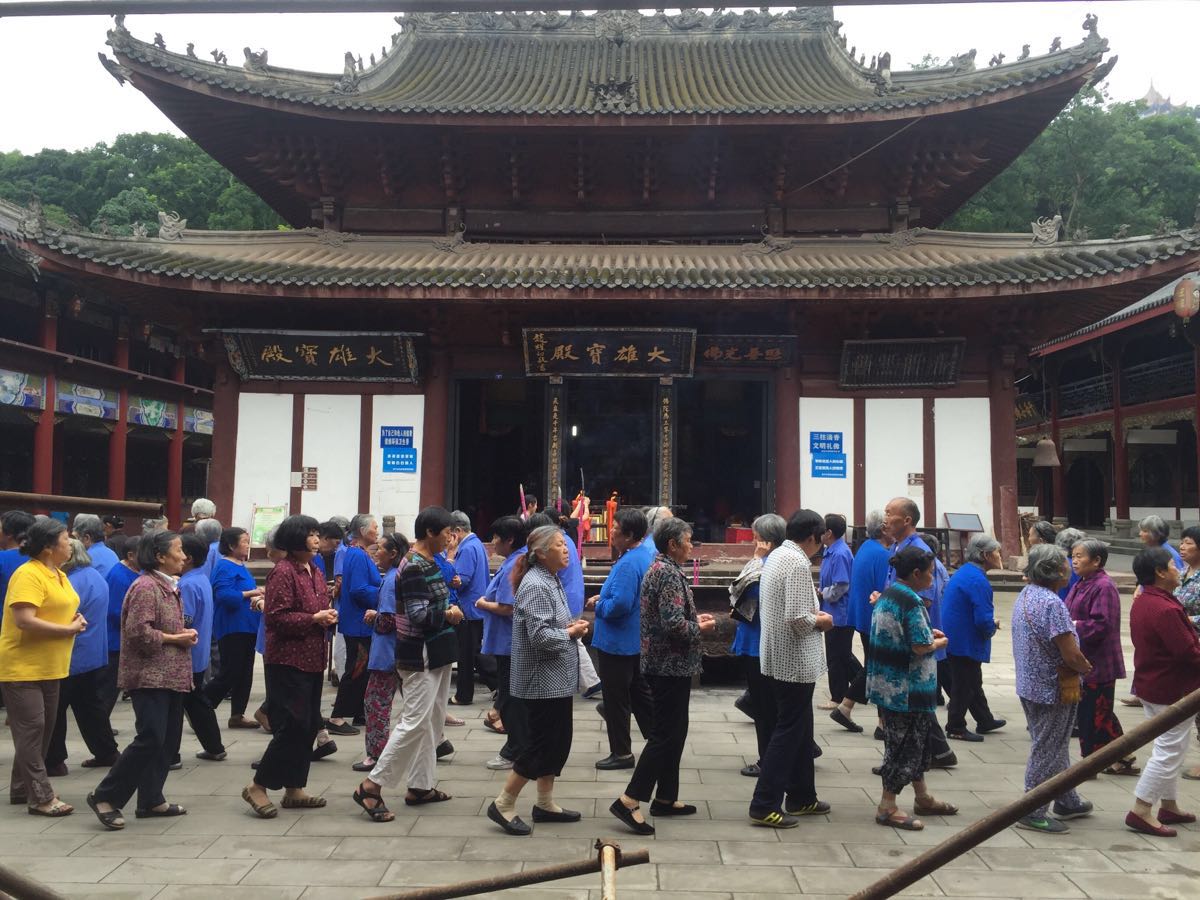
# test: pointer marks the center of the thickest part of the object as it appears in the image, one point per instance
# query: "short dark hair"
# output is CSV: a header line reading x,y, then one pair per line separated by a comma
x,y
1193,532
805,524
195,549
292,534
331,531
43,533
151,547
229,540
431,520
1094,548
1045,530
540,519
667,530
1149,562
531,498
395,543
15,523
115,521
129,547
510,528
909,560
835,525
633,522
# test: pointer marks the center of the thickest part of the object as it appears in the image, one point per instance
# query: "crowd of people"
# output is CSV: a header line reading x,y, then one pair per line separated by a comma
x,y
175,621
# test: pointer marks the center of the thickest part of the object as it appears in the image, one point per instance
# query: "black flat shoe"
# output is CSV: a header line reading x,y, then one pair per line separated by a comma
x,y
615,762
878,733
212,757
172,810
845,721
566,815
751,771
994,725
965,735
625,814
345,729
323,750
667,809
516,827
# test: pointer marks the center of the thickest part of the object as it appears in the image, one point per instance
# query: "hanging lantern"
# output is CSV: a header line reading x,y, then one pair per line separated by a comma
x,y
1187,299
1045,456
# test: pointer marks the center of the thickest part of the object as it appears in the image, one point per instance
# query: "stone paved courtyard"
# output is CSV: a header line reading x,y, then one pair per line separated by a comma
x,y
219,850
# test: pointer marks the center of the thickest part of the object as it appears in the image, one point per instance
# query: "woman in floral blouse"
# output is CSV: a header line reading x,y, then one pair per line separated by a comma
x,y
671,636
1188,593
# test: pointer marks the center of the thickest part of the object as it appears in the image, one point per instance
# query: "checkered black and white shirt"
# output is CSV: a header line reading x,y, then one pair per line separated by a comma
x,y
790,649
545,661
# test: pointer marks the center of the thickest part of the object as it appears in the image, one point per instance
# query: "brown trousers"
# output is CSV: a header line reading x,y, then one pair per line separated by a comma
x,y
32,710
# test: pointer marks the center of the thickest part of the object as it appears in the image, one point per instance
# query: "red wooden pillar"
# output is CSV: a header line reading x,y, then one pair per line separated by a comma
x,y
118,440
437,408
224,439
1058,474
1004,451
43,434
787,442
175,454
1120,450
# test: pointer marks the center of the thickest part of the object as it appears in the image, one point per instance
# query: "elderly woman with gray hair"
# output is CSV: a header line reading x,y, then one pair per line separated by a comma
x,y
1049,664
1153,532
1066,541
969,621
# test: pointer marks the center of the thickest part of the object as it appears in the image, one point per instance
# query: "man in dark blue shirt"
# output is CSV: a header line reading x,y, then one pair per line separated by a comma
x,y
471,572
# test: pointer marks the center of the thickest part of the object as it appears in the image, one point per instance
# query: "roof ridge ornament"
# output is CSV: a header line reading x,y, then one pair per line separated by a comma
x,y
171,226
255,62
1047,231
350,76
769,245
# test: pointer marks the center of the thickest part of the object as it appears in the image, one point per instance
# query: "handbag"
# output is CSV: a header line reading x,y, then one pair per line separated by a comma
x,y
743,603
441,649
1070,682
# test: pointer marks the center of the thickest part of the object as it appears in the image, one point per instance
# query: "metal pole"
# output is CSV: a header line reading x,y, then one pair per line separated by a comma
x,y
192,7
530,876
54,501
610,858
19,887
994,823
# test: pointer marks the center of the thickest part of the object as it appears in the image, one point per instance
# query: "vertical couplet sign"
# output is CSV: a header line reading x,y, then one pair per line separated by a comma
x,y
828,456
399,454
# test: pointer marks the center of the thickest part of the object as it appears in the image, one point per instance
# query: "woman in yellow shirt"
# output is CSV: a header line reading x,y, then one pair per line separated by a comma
x,y
41,619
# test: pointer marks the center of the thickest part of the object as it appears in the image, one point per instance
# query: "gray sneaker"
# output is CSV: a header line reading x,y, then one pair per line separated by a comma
x,y
1044,824
499,763
1065,812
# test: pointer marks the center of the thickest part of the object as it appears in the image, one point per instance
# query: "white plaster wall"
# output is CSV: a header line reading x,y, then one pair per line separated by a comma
x,y
262,473
963,456
827,495
895,447
397,494
1166,513
332,424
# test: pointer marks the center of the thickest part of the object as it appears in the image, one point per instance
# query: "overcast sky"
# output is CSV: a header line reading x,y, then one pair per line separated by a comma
x,y
56,94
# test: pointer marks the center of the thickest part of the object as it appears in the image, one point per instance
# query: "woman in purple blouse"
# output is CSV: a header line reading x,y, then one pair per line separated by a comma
x,y
1095,607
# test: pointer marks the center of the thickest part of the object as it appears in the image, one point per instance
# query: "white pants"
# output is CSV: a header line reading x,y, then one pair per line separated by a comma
x,y
410,756
339,654
587,672
1160,776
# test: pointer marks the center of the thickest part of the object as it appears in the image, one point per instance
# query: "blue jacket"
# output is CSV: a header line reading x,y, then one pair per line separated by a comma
x,y
231,611
196,593
90,651
471,567
933,593
360,592
10,561
869,574
103,559
119,580
210,562
619,609
497,630
837,565
382,657
968,616
571,579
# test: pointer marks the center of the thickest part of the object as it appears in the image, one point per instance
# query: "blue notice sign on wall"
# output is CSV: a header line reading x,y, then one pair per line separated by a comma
x,y
395,436
400,459
829,465
825,442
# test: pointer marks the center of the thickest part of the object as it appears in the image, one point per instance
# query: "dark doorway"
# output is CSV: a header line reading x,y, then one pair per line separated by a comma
x,y
608,433
501,431
146,453
16,450
1087,504
721,465
85,445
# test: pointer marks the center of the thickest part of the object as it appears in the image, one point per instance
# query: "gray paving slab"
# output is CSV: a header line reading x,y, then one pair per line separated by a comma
x,y
1124,887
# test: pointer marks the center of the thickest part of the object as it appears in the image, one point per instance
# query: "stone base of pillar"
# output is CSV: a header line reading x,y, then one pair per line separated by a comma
x,y
1122,528
1176,527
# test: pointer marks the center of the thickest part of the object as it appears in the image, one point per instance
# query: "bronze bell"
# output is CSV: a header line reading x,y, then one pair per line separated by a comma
x,y
1045,456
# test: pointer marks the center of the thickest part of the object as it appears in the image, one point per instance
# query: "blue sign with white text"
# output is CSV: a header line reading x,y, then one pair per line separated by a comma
x,y
395,436
401,459
829,465
825,442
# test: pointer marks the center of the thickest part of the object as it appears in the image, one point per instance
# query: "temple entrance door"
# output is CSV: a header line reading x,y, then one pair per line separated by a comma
x,y
1086,500
499,430
608,431
721,461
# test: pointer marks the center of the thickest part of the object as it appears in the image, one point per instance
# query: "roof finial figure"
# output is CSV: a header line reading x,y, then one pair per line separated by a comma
x,y
191,50
1090,22
1047,231
997,60
360,64
1024,53
170,226
219,57
119,22
255,62
1056,45
372,60
964,62
159,42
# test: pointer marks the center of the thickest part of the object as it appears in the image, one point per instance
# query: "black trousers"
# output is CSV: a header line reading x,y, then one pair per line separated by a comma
x,y
513,712
787,766
659,762
625,692
201,716
966,694
945,678
352,687
844,666
84,693
109,690
235,676
470,638
294,709
142,767
857,689
762,703
549,742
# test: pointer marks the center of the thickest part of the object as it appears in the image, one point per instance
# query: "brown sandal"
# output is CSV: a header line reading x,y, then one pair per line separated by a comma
x,y
1123,767
928,806
897,819
433,795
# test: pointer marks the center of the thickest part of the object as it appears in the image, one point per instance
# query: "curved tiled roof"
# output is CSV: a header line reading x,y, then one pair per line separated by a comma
x,y
944,261
618,62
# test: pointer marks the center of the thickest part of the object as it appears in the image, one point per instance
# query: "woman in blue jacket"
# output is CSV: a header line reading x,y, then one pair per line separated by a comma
x,y
969,621
237,609
382,680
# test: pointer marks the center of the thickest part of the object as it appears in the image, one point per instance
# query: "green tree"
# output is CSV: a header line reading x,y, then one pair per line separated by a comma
x,y
130,207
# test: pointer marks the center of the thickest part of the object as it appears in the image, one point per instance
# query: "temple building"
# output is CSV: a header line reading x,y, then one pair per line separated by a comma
x,y
692,259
